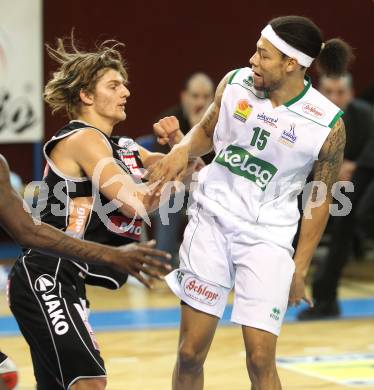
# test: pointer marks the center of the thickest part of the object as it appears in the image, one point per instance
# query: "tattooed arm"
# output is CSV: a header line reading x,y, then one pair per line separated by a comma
x,y
326,170
29,233
197,142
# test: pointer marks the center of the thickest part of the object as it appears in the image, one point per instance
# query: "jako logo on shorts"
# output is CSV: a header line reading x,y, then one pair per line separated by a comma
x,y
201,291
242,163
55,313
45,284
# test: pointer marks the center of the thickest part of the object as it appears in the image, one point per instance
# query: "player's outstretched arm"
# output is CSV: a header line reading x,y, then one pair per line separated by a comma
x,y
326,170
131,259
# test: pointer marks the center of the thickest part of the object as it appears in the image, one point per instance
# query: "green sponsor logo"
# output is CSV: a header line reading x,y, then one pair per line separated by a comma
x,y
248,81
242,163
180,276
275,313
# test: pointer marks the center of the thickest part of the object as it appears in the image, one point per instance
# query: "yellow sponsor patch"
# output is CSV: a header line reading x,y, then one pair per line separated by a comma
x,y
243,110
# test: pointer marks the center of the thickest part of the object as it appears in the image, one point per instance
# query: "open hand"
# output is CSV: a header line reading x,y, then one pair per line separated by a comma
x,y
171,167
137,258
297,291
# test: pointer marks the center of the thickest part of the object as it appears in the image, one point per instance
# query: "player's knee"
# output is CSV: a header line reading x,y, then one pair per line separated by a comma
x,y
189,360
259,361
90,384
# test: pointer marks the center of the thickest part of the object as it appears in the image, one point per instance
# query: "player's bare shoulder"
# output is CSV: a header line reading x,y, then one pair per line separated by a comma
x,y
334,145
82,144
222,86
210,118
331,155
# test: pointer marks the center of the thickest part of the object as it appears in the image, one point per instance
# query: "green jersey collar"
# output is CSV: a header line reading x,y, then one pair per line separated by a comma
x,y
308,84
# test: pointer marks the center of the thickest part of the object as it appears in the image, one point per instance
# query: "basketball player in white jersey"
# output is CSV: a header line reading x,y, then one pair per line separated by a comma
x,y
269,128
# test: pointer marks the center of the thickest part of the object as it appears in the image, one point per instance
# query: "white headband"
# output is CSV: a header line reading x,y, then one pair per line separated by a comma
x,y
284,47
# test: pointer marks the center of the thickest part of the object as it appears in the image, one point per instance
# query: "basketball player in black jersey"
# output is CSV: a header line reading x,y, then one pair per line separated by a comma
x,y
96,191
129,259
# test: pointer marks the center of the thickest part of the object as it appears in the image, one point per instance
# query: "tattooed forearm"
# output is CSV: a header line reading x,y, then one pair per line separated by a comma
x,y
327,167
50,240
211,116
210,119
44,238
82,252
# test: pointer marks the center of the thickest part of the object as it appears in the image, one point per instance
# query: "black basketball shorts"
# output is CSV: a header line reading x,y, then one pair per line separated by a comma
x,y
48,300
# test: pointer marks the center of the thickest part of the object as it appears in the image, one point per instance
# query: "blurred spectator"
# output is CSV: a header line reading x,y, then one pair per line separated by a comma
x,y
358,167
195,98
356,118
368,95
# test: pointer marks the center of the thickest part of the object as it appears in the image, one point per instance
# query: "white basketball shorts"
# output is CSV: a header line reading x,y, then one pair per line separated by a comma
x,y
216,255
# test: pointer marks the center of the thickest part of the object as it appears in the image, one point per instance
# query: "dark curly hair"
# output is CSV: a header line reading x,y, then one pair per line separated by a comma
x,y
332,57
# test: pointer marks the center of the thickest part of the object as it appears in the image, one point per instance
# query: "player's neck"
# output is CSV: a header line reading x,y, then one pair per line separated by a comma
x,y
291,88
97,121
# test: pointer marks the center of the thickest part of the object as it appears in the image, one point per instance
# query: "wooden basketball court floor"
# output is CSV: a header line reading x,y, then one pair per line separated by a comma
x,y
140,353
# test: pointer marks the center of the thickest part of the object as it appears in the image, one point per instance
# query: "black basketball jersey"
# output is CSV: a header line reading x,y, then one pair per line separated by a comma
x,y
75,206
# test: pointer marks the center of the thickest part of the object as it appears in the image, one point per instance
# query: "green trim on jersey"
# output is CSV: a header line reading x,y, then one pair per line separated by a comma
x,y
243,86
335,119
248,89
301,94
233,75
309,119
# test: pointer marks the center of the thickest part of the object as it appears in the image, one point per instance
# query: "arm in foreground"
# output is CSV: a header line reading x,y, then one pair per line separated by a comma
x,y
131,259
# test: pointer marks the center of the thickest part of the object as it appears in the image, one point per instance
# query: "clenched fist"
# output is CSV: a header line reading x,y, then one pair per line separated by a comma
x,y
167,131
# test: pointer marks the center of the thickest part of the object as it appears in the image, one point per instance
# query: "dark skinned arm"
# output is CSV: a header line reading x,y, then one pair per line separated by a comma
x,y
131,259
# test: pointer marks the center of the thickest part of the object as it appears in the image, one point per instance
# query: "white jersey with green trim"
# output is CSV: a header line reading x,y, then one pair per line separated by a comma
x,y
264,154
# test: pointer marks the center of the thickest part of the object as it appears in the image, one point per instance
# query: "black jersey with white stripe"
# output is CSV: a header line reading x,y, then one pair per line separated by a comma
x,y
74,205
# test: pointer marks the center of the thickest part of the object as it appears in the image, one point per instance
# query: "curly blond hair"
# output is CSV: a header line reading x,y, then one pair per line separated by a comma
x,y
78,71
